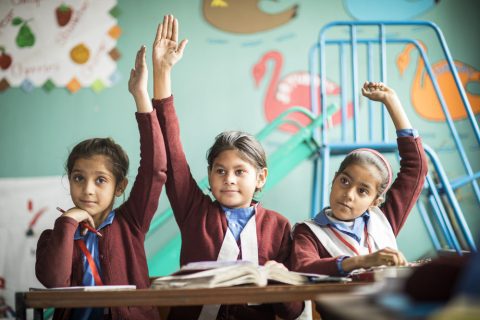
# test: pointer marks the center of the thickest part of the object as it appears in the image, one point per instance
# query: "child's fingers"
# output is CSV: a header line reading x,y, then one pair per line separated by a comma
x,y
165,27
170,27
138,58
175,30
91,222
158,36
142,59
403,261
182,46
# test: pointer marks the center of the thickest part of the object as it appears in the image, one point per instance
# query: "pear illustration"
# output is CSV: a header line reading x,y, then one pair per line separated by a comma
x,y
25,36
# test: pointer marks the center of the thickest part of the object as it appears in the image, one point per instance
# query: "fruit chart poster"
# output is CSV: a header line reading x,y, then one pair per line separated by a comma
x,y
53,43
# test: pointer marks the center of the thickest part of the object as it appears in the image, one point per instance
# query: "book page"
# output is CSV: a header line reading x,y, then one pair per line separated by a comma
x,y
211,274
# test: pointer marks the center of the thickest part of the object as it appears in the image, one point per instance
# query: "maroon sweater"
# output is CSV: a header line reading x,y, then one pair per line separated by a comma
x,y
122,254
309,255
203,225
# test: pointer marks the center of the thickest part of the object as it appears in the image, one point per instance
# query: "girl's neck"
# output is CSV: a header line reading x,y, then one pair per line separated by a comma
x,y
98,219
331,214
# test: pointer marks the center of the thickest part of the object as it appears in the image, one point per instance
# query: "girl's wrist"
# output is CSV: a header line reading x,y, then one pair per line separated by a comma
x,y
140,95
143,103
355,262
162,68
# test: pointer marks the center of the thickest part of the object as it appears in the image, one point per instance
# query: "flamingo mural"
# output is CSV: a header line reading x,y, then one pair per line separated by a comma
x,y
293,90
424,98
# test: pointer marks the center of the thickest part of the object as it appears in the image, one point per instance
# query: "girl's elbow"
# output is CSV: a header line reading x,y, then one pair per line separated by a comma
x,y
160,175
50,279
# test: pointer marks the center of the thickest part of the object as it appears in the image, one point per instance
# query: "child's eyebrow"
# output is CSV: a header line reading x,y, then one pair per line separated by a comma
x,y
366,185
100,173
238,166
346,174
363,184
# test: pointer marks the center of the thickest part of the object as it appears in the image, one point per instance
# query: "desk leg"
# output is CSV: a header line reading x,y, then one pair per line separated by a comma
x,y
20,308
38,314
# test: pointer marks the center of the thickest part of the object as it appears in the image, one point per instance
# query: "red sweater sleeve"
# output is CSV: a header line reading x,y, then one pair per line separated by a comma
x,y
182,189
142,202
54,255
408,185
309,255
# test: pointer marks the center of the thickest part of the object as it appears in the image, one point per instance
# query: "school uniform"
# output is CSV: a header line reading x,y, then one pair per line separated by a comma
x,y
120,252
205,232
318,246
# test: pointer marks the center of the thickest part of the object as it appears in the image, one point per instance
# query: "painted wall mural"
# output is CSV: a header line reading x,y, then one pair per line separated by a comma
x,y
244,16
54,43
292,90
387,10
423,95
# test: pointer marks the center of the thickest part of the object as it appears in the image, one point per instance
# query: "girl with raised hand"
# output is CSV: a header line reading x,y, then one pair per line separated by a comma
x,y
358,229
232,226
69,254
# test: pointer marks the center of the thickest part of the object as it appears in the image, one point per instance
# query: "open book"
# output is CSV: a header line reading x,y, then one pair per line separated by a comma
x,y
212,274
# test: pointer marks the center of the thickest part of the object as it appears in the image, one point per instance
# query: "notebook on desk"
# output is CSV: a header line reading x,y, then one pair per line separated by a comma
x,y
88,288
380,273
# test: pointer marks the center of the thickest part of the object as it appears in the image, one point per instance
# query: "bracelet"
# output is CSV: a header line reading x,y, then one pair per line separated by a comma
x,y
339,265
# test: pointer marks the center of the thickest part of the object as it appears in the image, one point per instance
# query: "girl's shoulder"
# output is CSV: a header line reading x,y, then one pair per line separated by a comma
x,y
269,215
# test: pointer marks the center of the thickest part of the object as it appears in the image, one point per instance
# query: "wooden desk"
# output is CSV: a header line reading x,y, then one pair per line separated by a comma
x,y
38,300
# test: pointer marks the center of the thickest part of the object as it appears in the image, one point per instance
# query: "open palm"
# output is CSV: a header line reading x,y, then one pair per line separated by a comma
x,y
137,83
166,49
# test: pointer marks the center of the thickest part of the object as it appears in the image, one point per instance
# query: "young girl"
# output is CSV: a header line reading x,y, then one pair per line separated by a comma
x,y
357,230
69,255
233,226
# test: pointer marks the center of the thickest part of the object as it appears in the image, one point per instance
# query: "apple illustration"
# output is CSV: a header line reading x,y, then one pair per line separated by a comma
x,y
5,59
64,14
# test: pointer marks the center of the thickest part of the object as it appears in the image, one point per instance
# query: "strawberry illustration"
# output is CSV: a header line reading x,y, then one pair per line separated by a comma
x,y
63,13
5,59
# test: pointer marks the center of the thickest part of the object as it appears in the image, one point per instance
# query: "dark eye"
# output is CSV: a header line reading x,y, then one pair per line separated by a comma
x,y
240,172
363,191
101,180
343,180
77,178
220,171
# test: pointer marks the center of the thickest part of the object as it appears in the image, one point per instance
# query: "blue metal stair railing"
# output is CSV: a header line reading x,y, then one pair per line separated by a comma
x,y
318,52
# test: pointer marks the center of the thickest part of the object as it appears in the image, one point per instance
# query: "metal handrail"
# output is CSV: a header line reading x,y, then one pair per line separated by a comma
x,y
327,149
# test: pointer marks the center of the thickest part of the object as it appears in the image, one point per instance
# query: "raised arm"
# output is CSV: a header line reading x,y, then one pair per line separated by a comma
x,y
143,200
182,189
408,184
